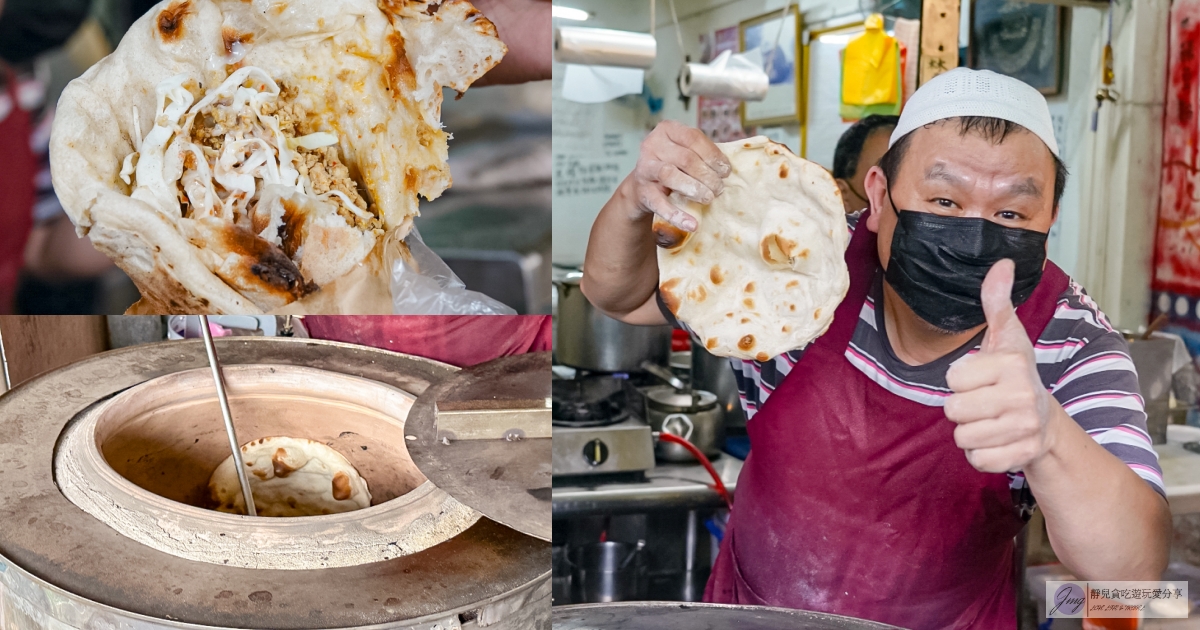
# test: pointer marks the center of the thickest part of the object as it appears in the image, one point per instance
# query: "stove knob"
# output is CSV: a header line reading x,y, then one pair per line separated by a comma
x,y
595,452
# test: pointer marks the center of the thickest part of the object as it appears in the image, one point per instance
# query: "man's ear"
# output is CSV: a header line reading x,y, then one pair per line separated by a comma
x,y
875,185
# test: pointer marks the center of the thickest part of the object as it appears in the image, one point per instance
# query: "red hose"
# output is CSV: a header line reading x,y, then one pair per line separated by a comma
x,y
718,485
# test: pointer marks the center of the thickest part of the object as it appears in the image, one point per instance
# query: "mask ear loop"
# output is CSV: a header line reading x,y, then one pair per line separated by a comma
x,y
893,203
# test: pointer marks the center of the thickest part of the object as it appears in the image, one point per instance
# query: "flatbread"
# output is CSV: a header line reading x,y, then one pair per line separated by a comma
x,y
201,206
764,271
290,477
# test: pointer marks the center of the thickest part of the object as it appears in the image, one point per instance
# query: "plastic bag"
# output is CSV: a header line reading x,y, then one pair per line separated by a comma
x,y
425,285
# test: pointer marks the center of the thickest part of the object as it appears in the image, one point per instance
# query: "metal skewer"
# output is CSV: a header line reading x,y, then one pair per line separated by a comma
x,y
219,379
7,381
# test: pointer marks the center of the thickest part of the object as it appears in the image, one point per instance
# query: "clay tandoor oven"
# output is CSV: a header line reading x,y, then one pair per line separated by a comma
x,y
104,467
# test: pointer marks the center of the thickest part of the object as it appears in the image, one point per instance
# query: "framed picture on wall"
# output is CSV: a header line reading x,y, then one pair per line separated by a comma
x,y
774,40
1021,40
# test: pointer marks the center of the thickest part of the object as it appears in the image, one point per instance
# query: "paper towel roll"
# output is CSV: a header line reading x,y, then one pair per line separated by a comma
x,y
727,76
604,47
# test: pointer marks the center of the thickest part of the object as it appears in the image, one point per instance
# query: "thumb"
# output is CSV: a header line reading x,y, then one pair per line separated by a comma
x,y
1004,329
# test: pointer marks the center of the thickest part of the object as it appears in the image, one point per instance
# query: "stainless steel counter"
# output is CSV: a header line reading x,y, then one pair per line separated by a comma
x,y
667,486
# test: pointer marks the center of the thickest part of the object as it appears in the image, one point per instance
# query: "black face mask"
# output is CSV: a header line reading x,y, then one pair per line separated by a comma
x,y
938,264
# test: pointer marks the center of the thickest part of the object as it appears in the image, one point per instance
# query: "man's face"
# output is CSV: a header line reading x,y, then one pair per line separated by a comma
x,y
946,173
873,148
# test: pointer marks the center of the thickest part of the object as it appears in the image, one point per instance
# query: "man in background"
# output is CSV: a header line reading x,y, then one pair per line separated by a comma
x,y
857,151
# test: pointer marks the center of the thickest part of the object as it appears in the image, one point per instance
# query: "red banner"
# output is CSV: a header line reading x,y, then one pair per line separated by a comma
x,y
1177,244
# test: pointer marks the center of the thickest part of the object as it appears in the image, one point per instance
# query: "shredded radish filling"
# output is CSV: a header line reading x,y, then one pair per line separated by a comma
x,y
215,156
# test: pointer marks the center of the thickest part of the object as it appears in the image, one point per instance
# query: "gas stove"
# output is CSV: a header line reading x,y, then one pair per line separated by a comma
x,y
598,430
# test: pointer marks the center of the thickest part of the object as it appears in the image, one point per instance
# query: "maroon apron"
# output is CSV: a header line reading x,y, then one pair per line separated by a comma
x,y
16,192
858,502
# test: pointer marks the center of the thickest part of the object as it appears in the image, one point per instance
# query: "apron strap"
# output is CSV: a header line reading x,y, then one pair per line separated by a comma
x,y
861,261
1036,312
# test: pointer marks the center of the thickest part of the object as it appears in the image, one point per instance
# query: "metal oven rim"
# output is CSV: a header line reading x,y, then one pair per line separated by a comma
x,y
60,545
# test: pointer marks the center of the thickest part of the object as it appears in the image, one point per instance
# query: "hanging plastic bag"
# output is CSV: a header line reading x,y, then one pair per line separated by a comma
x,y
870,66
423,284
850,113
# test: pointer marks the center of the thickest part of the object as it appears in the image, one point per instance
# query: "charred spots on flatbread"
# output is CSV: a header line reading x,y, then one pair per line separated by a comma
x,y
231,36
432,8
280,464
669,297
483,26
746,342
341,486
279,272
399,72
291,230
668,236
268,263
170,20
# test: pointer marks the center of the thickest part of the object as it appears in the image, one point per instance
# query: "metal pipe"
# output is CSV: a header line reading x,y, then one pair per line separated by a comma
x,y
689,545
219,379
4,363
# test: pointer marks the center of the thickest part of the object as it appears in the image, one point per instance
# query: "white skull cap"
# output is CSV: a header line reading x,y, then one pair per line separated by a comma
x,y
966,92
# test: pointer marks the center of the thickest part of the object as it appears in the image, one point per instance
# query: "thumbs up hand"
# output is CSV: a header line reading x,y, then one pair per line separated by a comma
x,y
1004,413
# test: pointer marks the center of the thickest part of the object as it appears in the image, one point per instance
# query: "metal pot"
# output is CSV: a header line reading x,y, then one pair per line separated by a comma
x,y
693,416
587,339
608,572
561,581
676,616
712,373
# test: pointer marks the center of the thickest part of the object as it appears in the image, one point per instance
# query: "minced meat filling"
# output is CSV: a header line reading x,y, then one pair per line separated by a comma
x,y
327,172
322,167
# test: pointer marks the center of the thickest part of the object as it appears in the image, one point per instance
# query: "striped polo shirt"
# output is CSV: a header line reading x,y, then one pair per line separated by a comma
x,y
1082,361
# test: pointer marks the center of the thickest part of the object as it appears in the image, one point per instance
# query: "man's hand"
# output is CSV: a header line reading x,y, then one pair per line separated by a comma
x,y
1005,415
676,158
1103,520
525,27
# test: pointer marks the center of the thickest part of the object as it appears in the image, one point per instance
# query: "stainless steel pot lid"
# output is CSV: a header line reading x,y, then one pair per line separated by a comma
x,y
508,480
687,616
669,397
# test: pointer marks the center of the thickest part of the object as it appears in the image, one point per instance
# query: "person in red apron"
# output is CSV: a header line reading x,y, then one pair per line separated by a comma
x,y
17,186
964,381
460,340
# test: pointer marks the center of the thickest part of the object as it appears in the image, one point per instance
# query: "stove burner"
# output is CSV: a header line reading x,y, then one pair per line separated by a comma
x,y
587,414
591,401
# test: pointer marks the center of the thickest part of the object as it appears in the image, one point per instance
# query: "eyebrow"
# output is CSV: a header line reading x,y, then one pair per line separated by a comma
x,y
1027,188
